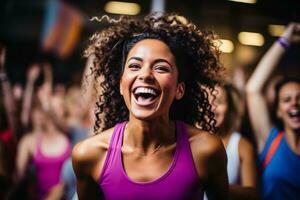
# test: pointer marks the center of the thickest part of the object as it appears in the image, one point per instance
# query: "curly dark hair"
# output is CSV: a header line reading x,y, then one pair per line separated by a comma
x,y
196,56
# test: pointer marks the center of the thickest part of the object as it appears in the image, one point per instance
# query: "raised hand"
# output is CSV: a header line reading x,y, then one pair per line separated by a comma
x,y
292,33
33,72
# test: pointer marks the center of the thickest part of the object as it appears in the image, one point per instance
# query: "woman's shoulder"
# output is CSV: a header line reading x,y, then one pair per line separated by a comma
x,y
28,142
28,139
92,147
203,140
245,147
207,150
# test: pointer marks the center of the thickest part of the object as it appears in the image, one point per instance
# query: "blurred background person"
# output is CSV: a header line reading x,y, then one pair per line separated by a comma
x,y
57,31
278,141
8,129
228,106
45,147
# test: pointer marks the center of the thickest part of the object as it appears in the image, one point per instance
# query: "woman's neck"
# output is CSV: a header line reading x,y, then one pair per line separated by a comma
x,y
225,136
148,135
293,139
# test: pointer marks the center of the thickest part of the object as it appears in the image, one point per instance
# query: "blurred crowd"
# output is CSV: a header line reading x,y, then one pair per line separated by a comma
x,y
40,123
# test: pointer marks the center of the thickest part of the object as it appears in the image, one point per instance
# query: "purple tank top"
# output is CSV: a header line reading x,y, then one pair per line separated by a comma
x,y
179,182
47,169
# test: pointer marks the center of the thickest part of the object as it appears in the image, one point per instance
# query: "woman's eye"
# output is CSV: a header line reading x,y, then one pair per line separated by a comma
x,y
287,99
134,66
162,69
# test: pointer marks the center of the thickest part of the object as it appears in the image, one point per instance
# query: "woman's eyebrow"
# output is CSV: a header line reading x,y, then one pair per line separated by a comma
x,y
156,60
162,60
135,58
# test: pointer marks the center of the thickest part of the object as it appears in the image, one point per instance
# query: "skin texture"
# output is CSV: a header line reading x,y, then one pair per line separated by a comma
x,y
248,172
220,106
154,68
151,64
54,144
289,99
257,104
197,66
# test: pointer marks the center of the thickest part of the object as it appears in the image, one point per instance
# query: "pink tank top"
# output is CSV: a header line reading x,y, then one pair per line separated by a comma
x,y
47,169
179,182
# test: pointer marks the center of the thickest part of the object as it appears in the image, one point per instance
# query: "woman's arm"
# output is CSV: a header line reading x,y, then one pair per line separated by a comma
x,y
257,106
24,153
56,192
87,159
9,101
248,174
217,184
32,75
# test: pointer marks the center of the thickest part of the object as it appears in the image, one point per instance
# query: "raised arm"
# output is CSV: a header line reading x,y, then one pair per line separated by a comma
x,y
32,75
47,70
9,101
45,95
257,105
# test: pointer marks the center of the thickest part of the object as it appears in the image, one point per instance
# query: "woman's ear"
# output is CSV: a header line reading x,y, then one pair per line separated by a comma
x,y
180,90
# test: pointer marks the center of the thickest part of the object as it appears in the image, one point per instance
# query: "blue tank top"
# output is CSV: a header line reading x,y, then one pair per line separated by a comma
x,y
281,177
179,182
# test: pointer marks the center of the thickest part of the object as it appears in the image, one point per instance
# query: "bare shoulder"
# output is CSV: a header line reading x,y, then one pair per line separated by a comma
x,y
28,137
244,142
27,142
207,150
203,141
246,148
91,148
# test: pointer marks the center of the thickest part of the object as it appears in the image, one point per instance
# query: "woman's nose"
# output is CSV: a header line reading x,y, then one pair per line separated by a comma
x,y
147,76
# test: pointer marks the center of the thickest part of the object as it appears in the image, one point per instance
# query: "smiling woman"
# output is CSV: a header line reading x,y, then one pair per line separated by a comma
x,y
149,102
278,143
148,80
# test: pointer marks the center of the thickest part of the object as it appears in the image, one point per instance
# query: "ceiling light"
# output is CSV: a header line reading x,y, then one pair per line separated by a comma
x,y
244,1
251,38
226,46
122,8
276,30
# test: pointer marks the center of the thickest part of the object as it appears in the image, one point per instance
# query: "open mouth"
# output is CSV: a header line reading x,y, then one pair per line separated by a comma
x,y
145,96
294,113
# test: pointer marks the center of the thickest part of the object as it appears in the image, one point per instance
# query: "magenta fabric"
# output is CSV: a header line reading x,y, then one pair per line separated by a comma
x,y
179,182
48,169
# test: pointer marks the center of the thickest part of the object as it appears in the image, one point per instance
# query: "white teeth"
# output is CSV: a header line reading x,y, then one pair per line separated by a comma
x,y
145,90
294,113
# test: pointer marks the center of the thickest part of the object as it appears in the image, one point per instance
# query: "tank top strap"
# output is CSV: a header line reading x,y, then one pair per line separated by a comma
x,y
184,147
233,143
182,136
233,164
114,148
38,145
